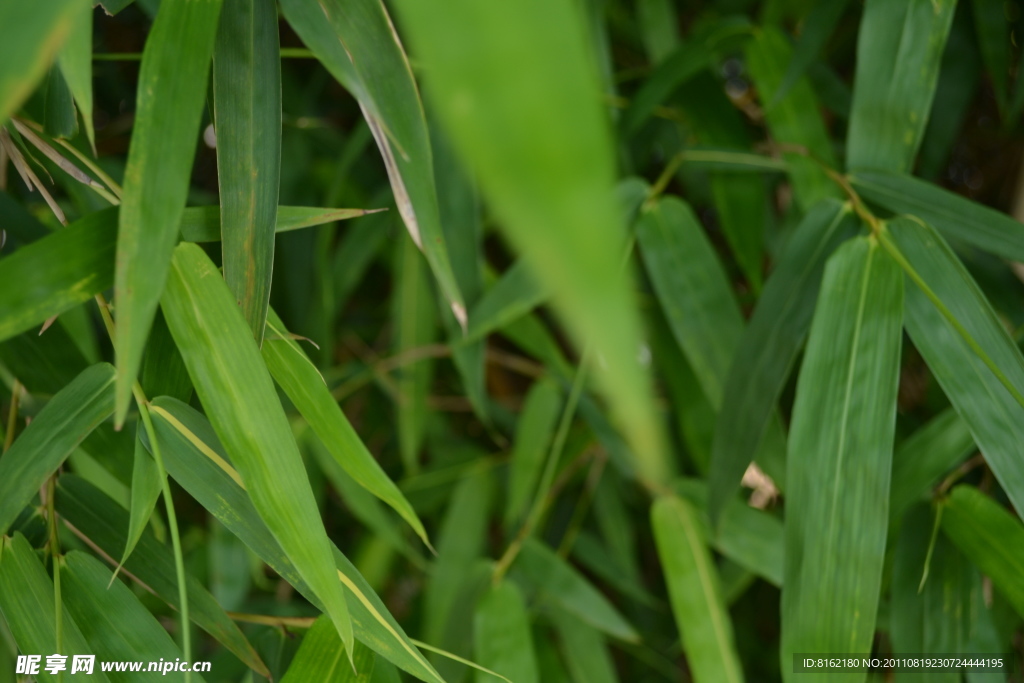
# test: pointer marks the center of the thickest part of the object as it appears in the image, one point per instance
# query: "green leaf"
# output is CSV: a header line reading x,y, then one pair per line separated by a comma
x,y
817,28
60,120
116,625
104,522
658,26
414,321
373,65
966,347
296,375
899,50
31,35
502,636
694,591
930,452
534,430
52,436
563,585
794,119
75,60
27,604
247,102
994,43
840,457
321,657
990,537
513,295
956,217
195,459
769,346
202,224
584,650
172,87
526,115
234,386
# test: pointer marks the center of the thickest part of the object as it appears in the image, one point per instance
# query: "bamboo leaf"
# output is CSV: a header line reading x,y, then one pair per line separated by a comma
x,y
793,119
116,625
374,67
75,60
233,384
502,636
818,27
584,650
517,90
296,375
513,295
321,657
52,436
990,537
31,35
104,522
840,457
28,606
966,347
247,101
994,43
899,50
769,345
534,431
560,583
957,218
171,90
694,592
195,459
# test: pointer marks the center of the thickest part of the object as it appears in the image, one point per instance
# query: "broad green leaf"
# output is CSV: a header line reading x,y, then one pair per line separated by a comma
x,y
562,584
296,375
502,635
27,604
517,89
794,119
929,614
321,657
169,105
31,34
694,592
247,105
965,345
956,217
116,625
75,60
817,28
840,458
930,452
52,436
378,73
516,293
584,650
899,50
104,522
414,321
234,386
769,346
534,430
195,459
994,43
990,537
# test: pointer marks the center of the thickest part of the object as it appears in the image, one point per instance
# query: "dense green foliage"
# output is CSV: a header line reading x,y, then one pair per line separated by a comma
x,y
652,341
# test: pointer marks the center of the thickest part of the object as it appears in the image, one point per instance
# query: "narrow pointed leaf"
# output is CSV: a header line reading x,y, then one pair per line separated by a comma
x,y
27,604
196,460
321,657
817,29
172,87
695,594
920,461
502,635
238,394
769,346
202,223
899,50
116,625
840,457
104,523
994,43
990,537
526,115
31,35
292,369
247,102
52,436
534,431
75,60
584,650
515,294
965,345
956,217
